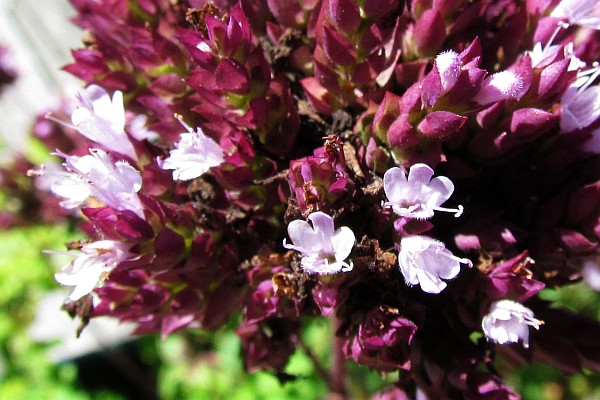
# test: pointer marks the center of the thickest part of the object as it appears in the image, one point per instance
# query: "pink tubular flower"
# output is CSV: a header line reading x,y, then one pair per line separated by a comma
x,y
324,250
195,154
91,265
97,175
417,196
426,261
508,322
102,120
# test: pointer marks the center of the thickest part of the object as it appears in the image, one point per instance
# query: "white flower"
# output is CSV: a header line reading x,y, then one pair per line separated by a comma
x,y
448,65
138,129
114,184
579,12
499,86
417,196
102,120
91,265
580,104
426,261
195,154
324,250
508,322
68,185
590,271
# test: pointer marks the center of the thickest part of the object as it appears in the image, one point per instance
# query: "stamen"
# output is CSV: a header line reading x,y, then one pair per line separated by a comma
x,y
458,211
37,172
561,25
62,252
466,261
58,121
594,71
531,321
182,122
347,267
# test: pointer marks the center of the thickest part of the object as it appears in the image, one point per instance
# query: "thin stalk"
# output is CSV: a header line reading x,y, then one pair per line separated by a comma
x,y
337,383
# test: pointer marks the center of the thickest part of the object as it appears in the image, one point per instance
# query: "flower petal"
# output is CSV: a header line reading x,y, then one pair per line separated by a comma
x,y
303,236
420,173
395,184
343,242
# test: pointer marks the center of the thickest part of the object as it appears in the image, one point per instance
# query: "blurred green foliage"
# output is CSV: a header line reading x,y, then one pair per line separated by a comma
x,y
218,373
203,365
539,381
25,275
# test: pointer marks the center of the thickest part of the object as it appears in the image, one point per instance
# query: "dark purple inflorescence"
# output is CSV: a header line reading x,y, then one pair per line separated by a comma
x,y
415,170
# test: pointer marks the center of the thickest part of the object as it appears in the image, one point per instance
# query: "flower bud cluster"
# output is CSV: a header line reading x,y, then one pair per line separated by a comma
x,y
357,46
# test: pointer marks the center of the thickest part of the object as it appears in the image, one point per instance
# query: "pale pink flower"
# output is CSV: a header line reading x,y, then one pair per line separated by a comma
x,y
324,249
194,155
509,322
72,187
91,266
102,120
579,12
590,271
138,129
425,261
580,104
97,175
417,196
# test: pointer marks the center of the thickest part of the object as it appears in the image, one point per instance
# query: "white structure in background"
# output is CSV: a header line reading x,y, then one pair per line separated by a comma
x,y
52,324
39,36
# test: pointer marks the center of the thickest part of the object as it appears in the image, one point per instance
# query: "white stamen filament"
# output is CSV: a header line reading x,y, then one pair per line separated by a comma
x,y
182,122
457,211
594,71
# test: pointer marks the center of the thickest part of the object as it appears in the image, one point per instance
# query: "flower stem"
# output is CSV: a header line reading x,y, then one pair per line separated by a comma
x,y
337,382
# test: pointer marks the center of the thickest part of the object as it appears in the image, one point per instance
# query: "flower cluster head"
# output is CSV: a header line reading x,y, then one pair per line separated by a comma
x,y
509,322
347,129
